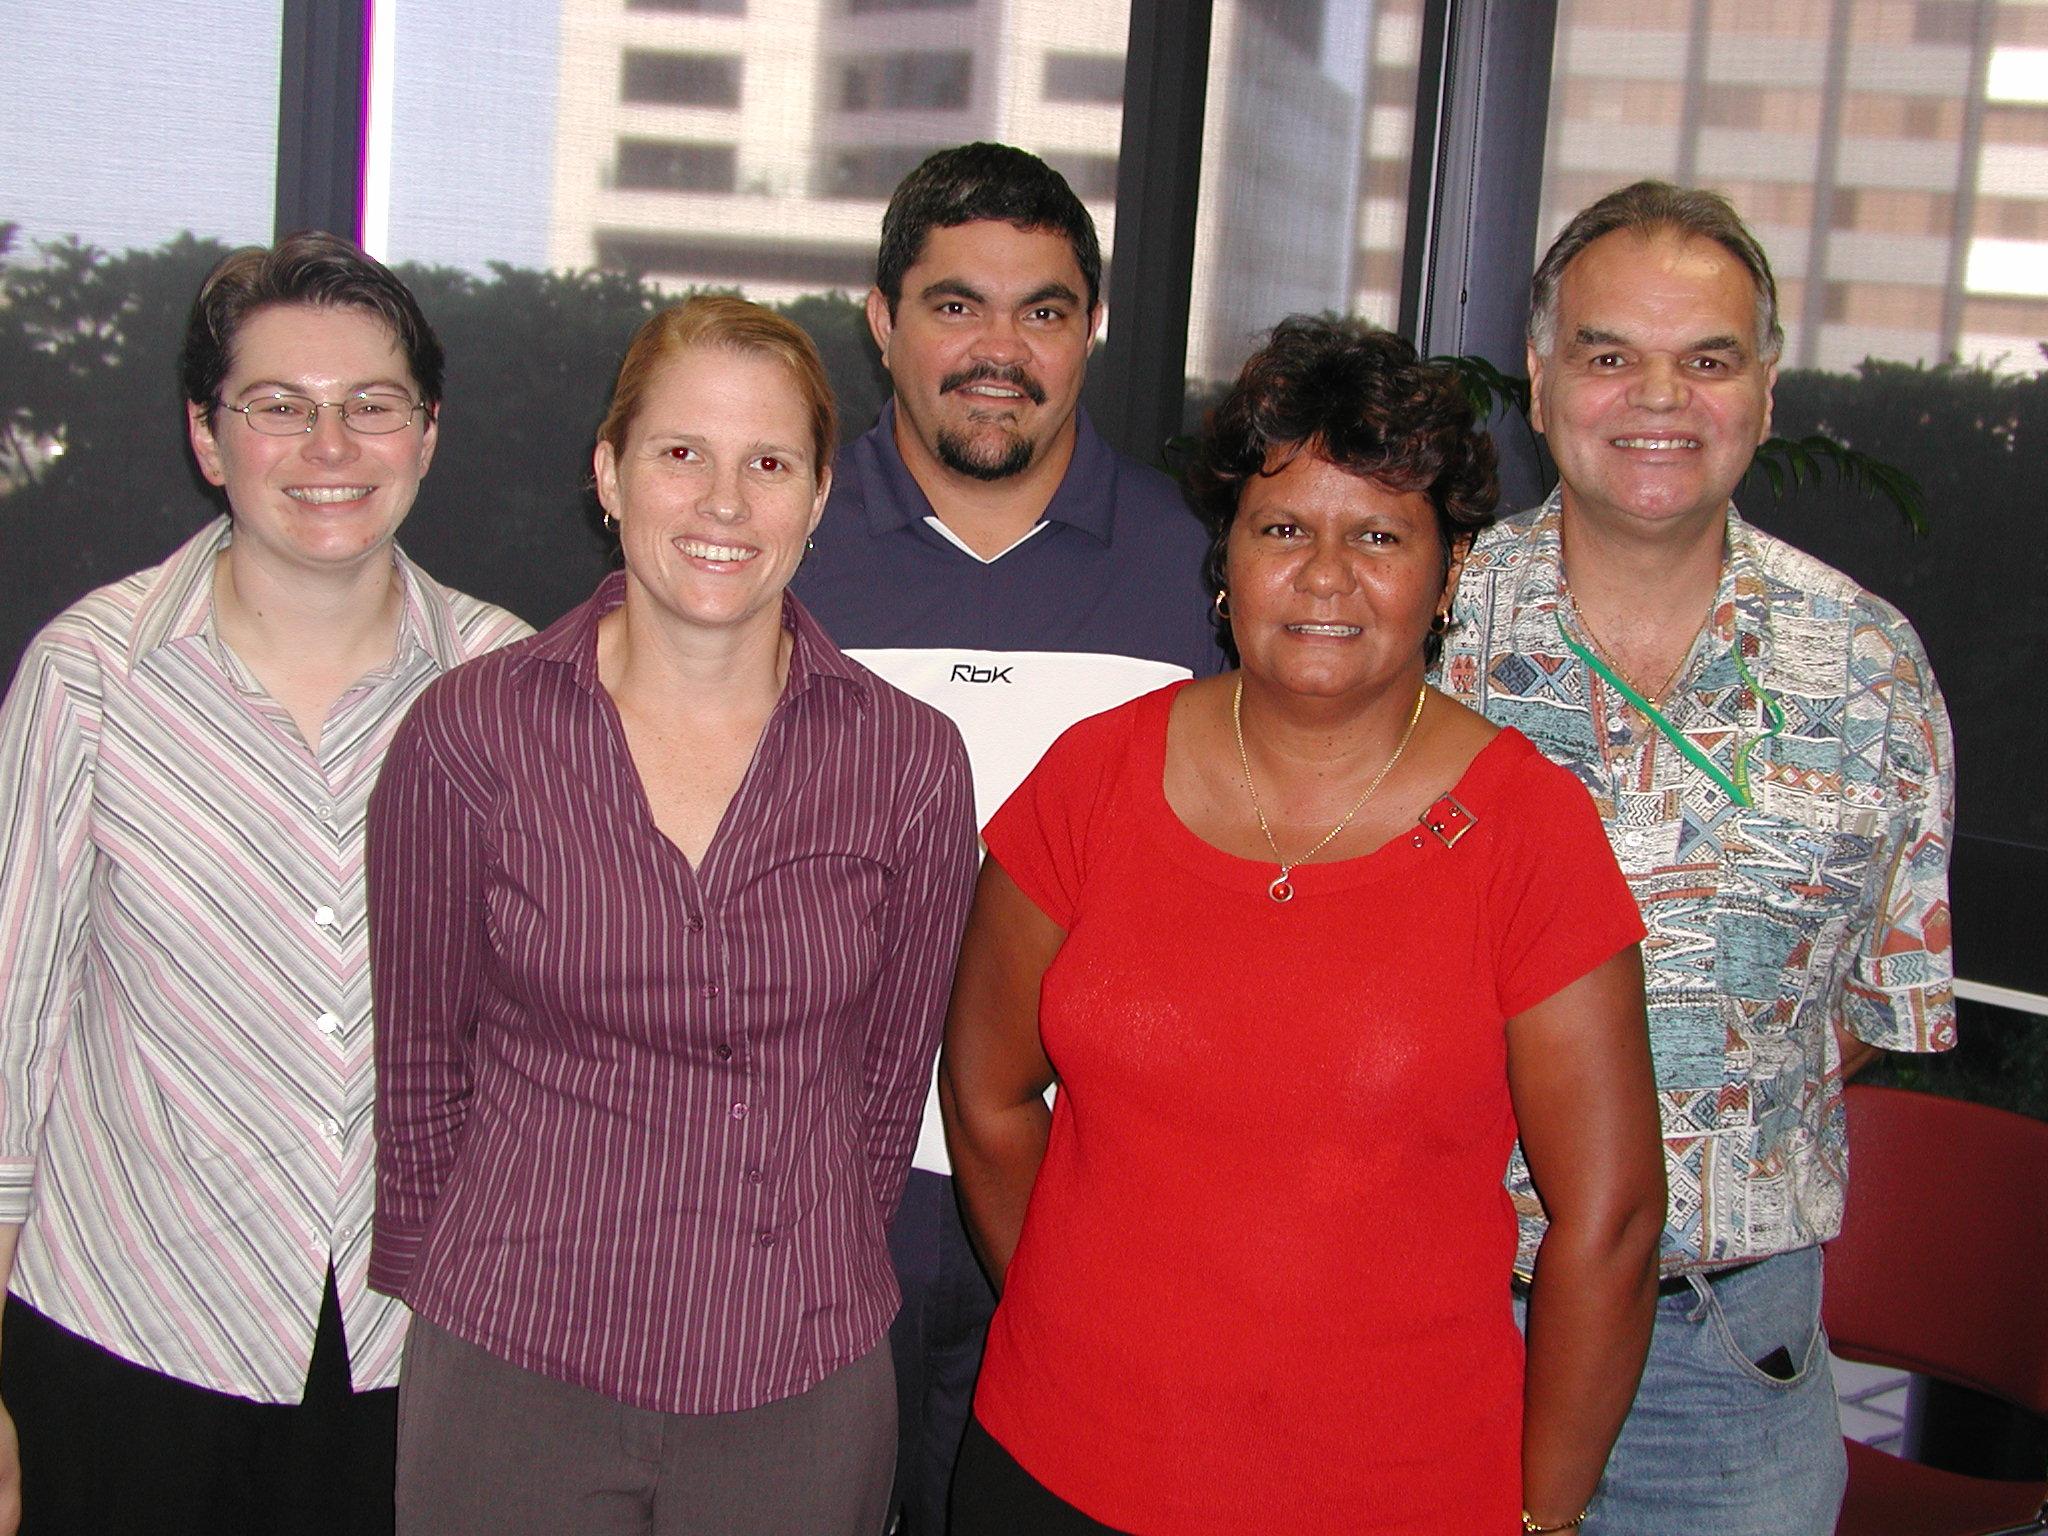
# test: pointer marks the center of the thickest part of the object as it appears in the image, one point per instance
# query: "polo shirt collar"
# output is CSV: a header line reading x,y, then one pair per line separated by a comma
x,y
893,500
178,604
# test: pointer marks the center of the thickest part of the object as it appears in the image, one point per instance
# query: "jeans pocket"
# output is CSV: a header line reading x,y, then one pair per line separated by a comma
x,y
1756,1315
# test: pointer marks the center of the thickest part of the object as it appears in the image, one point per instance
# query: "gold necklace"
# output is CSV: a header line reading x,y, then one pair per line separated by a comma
x,y
1281,889
1578,614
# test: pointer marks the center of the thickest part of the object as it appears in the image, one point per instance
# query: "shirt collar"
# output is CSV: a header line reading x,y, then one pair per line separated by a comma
x,y
571,641
178,604
891,499
1741,610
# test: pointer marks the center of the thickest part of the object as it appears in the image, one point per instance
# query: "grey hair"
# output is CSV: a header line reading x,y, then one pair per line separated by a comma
x,y
1648,208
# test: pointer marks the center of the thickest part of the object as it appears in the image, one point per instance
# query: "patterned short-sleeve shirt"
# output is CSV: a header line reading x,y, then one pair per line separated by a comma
x,y
1791,859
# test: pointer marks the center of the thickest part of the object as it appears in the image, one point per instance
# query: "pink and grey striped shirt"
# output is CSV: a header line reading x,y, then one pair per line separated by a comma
x,y
641,1127
185,1061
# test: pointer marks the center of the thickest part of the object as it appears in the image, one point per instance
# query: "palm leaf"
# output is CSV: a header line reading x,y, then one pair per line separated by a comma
x,y
1489,390
1816,456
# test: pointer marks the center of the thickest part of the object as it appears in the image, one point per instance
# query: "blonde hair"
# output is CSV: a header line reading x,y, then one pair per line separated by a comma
x,y
729,324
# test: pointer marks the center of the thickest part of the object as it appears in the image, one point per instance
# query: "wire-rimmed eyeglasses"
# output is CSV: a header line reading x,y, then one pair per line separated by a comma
x,y
373,411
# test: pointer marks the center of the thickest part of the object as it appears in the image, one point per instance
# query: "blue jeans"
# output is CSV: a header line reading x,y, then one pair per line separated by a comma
x,y
1723,1439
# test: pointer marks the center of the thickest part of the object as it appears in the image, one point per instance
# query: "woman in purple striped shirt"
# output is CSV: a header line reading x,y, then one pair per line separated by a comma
x,y
664,908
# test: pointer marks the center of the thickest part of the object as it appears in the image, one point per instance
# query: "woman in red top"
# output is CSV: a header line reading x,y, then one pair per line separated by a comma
x,y
1305,945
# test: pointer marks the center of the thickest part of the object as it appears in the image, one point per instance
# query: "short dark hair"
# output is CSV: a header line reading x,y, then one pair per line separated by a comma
x,y
982,181
1648,208
1359,398
311,267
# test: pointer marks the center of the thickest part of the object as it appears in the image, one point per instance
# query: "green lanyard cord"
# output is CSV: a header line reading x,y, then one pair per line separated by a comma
x,y
1737,788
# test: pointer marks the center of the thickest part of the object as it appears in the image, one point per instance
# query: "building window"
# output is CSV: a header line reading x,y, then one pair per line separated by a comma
x,y
667,165
692,7
737,260
1733,106
873,171
680,79
1093,177
1944,21
899,82
1097,77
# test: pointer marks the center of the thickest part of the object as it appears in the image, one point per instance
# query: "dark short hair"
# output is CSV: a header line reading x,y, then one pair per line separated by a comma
x,y
314,268
1650,208
1357,397
982,181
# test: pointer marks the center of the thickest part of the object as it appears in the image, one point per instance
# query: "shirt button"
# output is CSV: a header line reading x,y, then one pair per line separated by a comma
x,y
332,1127
323,917
694,923
753,1175
725,1053
764,1237
327,1023
739,1111
712,990
324,811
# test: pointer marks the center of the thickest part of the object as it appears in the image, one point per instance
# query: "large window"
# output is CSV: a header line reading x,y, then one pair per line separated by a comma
x,y
125,125
136,148
1305,154
1894,161
577,162
1894,158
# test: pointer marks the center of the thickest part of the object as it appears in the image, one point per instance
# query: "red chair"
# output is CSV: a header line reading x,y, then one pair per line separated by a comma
x,y
1942,1269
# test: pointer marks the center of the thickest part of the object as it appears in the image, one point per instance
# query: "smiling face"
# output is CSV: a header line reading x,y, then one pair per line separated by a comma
x,y
1653,399
716,489
986,351
326,499
1333,580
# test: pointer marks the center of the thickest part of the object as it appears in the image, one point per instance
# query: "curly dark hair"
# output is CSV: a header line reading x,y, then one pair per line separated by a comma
x,y
1359,398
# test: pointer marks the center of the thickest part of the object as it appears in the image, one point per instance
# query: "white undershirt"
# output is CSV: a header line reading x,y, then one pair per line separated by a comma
x,y
955,538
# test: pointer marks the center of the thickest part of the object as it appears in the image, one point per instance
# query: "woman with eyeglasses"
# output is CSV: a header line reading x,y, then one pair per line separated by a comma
x,y
186,757
1303,945
665,905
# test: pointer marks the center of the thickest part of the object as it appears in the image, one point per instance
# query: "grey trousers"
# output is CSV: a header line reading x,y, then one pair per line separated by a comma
x,y
488,1449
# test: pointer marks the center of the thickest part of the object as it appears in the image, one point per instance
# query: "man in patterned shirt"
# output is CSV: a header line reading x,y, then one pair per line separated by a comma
x,y
185,1061
1771,755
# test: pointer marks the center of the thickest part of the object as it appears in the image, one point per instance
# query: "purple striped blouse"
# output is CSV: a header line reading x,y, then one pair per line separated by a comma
x,y
641,1127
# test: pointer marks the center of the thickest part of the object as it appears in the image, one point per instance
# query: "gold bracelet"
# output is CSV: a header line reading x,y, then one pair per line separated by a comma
x,y
1531,1528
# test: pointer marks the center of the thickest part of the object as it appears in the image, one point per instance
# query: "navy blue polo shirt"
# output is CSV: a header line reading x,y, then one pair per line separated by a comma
x,y
1101,602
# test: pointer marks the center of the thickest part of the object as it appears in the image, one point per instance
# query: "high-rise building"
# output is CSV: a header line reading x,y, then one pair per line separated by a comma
x,y
1892,155
755,142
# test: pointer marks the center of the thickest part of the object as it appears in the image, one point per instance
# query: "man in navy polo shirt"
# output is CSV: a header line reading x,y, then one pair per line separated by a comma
x,y
986,551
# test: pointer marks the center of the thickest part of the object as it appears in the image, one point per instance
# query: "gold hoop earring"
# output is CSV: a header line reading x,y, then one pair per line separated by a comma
x,y
1221,606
